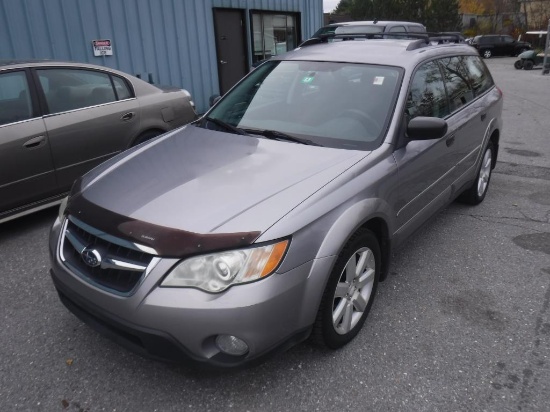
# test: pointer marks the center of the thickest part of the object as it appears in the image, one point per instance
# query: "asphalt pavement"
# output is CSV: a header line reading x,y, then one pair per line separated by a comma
x,y
461,324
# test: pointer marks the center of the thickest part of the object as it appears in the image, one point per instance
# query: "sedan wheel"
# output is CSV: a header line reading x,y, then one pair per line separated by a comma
x,y
350,291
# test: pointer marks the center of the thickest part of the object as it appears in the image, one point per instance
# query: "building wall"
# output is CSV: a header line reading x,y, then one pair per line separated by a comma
x,y
170,41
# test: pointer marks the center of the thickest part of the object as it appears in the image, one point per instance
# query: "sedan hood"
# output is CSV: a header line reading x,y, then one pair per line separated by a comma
x,y
197,190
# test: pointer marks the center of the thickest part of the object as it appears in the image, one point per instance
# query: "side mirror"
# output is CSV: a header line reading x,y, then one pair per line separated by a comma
x,y
214,99
426,128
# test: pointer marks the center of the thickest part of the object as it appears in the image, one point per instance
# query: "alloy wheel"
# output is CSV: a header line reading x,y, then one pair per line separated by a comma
x,y
353,290
484,173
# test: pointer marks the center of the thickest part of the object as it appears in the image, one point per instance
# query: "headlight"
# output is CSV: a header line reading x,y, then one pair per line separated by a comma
x,y
216,272
62,207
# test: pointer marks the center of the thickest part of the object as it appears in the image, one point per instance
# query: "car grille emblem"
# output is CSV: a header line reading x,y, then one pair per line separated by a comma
x,y
91,257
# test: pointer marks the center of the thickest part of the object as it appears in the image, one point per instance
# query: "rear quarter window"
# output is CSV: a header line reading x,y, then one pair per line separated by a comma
x,y
479,75
457,82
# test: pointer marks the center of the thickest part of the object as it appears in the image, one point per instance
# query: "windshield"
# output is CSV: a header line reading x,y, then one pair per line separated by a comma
x,y
341,105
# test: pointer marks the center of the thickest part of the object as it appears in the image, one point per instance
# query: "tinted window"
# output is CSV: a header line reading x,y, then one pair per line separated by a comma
x,y
479,75
15,100
427,94
457,82
416,29
507,39
70,89
397,29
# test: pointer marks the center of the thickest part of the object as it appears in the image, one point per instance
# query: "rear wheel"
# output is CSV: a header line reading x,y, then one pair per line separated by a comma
x,y
486,54
350,291
528,65
518,64
476,193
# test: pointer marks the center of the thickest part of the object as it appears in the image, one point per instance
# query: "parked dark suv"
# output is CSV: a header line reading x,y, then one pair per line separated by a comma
x,y
499,45
274,216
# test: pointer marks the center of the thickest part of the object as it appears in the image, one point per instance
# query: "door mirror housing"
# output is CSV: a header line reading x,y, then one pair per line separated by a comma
x,y
426,128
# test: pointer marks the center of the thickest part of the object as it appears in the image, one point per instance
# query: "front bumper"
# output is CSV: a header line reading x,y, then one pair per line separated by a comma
x,y
181,324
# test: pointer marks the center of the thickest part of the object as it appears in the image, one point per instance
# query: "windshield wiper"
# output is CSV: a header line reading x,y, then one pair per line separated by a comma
x,y
275,135
224,125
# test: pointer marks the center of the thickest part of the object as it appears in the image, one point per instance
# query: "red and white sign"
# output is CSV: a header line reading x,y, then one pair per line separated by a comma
x,y
102,47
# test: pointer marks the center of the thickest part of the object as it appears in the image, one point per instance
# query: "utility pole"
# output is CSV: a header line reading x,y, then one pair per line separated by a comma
x,y
546,61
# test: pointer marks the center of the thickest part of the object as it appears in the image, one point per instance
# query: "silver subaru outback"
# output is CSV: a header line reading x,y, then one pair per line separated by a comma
x,y
272,218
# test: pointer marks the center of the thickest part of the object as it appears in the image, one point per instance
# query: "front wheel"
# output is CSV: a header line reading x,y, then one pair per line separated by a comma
x,y
518,64
350,291
476,193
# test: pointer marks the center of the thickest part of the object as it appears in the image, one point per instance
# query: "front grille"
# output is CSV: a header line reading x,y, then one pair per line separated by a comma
x,y
115,264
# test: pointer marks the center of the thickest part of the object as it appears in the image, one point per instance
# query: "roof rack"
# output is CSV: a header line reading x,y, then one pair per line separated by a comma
x,y
423,39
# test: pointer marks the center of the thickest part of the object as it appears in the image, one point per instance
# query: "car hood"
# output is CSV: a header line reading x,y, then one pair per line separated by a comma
x,y
196,190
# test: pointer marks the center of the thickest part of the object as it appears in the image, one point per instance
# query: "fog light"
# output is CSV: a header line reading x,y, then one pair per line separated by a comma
x,y
231,345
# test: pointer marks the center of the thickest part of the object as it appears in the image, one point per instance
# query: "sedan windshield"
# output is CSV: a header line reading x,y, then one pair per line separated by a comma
x,y
340,105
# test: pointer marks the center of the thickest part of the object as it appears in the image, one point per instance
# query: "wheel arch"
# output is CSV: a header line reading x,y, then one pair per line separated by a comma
x,y
354,219
142,133
495,138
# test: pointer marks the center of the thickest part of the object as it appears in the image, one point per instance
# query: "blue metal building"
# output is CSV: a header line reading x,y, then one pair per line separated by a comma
x,y
201,45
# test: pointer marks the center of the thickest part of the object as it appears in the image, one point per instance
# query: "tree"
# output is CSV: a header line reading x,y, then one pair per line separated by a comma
x,y
436,15
343,7
443,15
472,7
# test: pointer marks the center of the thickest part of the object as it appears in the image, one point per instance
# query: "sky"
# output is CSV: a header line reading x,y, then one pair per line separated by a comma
x,y
329,5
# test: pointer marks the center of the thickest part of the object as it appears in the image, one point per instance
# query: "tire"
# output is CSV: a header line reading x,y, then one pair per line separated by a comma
x,y
486,54
148,135
518,64
528,65
348,296
476,193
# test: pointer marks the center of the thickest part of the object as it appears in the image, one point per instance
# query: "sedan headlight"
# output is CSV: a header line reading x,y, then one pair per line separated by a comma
x,y
218,271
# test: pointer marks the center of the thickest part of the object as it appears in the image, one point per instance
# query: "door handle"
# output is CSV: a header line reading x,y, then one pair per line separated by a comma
x,y
223,62
450,140
483,116
127,116
35,142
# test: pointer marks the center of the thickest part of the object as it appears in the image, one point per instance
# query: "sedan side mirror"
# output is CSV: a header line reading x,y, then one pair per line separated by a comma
x,y
426,128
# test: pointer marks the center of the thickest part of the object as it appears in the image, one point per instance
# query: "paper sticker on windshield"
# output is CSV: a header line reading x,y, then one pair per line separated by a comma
x,y
307,79
378,80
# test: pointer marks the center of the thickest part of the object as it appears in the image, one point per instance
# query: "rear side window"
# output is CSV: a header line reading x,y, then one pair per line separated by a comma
x,y
427,95
122,90
71,89
397,29
457,82
416,29
15,100
479,75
